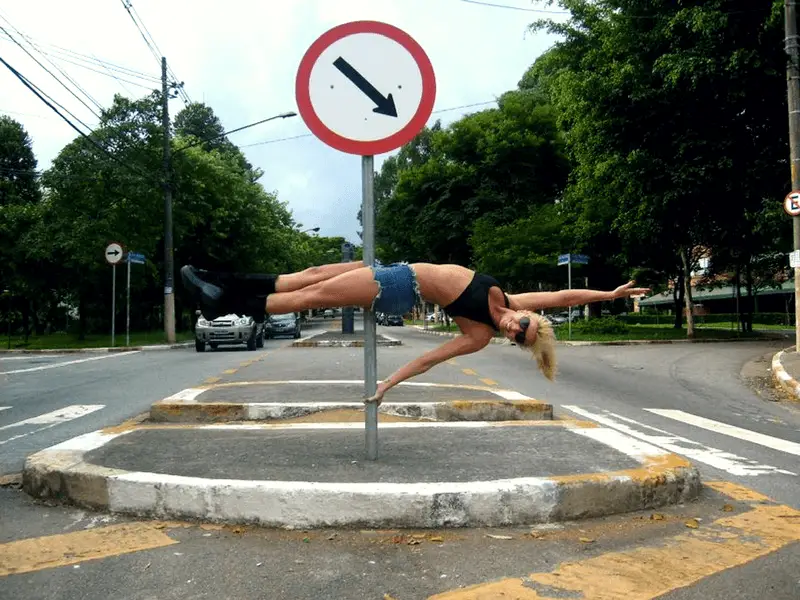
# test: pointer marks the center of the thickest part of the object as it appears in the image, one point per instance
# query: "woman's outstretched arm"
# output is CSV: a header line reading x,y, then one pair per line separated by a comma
x,y
458,346
538,300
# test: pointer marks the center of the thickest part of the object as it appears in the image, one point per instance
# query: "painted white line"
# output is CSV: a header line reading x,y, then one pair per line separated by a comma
x,y
31,356
620,442
511,395
69,362
4,407
714,457
52,419
58,416
88,441
730,430
187,395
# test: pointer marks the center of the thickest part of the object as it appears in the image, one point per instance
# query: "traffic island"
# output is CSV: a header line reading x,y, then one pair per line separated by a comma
x,y
313,475
337,339
278,400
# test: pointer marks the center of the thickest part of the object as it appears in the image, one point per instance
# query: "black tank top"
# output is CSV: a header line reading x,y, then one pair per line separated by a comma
x,y
473,303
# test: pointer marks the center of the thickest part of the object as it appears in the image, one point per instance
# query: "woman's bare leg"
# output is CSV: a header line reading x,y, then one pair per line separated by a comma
x,y
353,287
295,281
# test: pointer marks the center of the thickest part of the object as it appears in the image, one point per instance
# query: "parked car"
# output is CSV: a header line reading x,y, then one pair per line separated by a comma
x,y
228,329
283,324
396,320
328,313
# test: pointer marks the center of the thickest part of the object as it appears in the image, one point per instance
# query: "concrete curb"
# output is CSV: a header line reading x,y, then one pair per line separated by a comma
x,y
183,407
782,380
503,341
61,472
462,410
343,343
101,350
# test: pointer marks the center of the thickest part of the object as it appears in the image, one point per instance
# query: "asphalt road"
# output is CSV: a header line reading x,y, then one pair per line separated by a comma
x,y
46,399
708,402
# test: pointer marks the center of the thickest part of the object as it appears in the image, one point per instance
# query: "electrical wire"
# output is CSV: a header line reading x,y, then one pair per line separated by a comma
x,y
304,135
148,38
93,142
91,110
616,15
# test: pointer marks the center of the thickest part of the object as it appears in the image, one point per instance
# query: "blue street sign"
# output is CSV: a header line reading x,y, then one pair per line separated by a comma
x,y
136,258
575,259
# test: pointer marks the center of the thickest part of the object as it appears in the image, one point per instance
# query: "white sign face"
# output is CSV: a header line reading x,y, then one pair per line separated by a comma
x,y
794,259
359,73
114,253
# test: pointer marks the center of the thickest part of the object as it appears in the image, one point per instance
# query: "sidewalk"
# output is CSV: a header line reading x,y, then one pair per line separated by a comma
x,y
281,442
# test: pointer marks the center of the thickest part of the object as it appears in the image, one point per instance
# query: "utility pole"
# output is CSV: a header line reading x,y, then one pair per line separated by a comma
x,y
793,84
169,268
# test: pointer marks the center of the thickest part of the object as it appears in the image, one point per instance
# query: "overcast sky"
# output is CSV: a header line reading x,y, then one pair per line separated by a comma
x,y
241,56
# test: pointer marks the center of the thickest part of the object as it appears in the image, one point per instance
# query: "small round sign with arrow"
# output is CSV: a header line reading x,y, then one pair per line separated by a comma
x,y
791,204
365,88
114,253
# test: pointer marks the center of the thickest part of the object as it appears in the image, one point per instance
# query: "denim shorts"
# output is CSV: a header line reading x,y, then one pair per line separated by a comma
x,y
398,290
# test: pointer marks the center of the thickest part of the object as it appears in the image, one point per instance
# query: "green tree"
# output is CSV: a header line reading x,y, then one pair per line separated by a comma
x,y
19,209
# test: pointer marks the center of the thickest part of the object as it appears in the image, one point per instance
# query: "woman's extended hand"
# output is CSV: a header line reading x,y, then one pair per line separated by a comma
x,y
627,290
378,396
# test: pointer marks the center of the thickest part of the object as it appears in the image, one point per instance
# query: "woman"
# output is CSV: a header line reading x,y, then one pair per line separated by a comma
x,y
473,300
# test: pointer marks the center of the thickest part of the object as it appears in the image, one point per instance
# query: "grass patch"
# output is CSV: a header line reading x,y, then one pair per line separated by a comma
x,y
71,341
652,332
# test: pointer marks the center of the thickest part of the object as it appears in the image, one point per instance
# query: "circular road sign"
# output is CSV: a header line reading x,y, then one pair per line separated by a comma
x,y
791,204
113,253
365,88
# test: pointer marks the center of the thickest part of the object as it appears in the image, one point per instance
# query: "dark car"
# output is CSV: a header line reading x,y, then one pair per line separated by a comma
x,y
285,324
393,320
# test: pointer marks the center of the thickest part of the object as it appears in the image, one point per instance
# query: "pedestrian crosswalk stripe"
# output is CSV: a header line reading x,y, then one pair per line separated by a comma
x,y
714,457
729,430
51,419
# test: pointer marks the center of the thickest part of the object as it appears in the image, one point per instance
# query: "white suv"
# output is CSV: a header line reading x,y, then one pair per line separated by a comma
x,y
229,329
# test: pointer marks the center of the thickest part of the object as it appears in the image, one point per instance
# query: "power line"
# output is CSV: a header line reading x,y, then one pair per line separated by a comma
x,y
91,110
153,46
70,56
520,8
285,115
616,15
304,135
44,55
31,87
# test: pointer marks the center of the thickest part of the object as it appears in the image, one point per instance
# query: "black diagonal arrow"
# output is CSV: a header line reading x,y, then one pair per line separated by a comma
x,y
384,105
114,252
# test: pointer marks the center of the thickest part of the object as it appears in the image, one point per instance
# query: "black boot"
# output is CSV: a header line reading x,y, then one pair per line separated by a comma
x,y
225,293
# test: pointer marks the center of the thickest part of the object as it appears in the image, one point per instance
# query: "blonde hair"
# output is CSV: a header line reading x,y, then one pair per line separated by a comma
x,y
543,348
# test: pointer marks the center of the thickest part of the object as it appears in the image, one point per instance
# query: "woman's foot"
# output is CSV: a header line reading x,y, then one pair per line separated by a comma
x,y
227,293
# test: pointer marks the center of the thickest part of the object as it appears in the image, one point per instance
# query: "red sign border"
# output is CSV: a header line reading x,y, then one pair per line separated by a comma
x,y
365,148
786,200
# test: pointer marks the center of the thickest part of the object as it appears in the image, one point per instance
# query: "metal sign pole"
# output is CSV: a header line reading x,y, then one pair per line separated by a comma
x,y
113,301
128,309
569,284
370,354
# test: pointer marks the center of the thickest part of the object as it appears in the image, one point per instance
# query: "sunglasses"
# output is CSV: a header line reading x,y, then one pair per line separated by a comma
x,y
524,323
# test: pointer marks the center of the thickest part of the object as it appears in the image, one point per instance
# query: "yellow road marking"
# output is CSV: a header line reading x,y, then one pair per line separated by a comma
x,y
246,363
646,573
468,372
489,381
35,554
212,379
229,371
452,361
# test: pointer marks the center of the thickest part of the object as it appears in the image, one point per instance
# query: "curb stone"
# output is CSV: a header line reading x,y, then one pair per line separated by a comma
x,y
662,478
781,378
101,350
